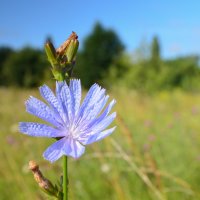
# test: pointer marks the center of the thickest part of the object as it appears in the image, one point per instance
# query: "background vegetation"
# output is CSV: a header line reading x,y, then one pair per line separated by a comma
x,y
153,154
155,151
102,58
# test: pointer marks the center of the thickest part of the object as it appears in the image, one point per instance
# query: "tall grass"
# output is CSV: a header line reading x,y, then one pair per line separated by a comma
x,y
153,154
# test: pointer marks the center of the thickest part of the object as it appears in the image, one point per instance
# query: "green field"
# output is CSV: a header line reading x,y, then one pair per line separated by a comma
x,y
153,154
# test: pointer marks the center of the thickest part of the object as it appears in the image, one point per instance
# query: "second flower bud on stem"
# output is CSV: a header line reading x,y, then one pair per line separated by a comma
x,y
62,59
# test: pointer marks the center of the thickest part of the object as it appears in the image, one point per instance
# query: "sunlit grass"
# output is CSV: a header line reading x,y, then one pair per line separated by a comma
x,y
153,154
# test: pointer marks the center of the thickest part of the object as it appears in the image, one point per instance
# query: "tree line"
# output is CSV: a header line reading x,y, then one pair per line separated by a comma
x,y
103,59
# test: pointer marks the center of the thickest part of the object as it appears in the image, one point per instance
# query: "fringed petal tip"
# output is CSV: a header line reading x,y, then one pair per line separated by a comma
x,y
99,136
21,127
39,130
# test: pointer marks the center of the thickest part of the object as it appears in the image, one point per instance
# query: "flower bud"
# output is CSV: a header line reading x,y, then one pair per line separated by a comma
x,y
67,51
62,59
43,182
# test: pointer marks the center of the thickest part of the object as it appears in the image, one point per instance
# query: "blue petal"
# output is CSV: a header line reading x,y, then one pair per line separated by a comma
x,y
75,88
39,130
102,116
91,93
73,148
38,108
64,146
49,96
104,123
92,98
101,105
93,112
97,128
54,152
98,136
93,109
64,99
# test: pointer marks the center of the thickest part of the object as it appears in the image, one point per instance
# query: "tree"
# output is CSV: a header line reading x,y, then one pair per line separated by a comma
x,y
155,54
25,68
142,52
100,49
183,72
5,52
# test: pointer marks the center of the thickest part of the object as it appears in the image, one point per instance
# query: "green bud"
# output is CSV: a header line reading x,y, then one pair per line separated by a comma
x,y
62,59
72,50
51,53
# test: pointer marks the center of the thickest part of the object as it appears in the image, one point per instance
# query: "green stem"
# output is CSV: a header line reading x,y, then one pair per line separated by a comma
x,y
65,179
65,168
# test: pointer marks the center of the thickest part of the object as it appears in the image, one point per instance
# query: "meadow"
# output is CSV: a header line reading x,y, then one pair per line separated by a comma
x,y
154,154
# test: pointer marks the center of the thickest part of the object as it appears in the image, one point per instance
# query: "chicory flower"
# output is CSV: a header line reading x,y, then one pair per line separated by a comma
x,y
72,123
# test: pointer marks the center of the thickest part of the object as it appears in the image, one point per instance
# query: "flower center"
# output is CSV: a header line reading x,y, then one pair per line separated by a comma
x,y
74,132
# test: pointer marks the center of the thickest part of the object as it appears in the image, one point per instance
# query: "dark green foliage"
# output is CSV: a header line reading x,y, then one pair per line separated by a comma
x,y
100,50
183,72
24,68
4,54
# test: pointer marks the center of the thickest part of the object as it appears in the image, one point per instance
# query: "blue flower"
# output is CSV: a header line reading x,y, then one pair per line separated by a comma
x,y
74,124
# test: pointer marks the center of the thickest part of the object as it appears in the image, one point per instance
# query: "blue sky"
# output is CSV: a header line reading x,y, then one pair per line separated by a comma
x,y
175,22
